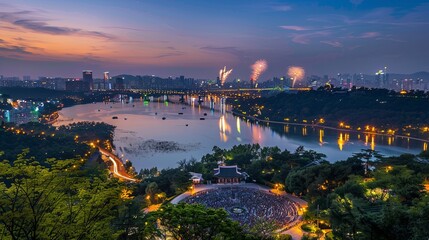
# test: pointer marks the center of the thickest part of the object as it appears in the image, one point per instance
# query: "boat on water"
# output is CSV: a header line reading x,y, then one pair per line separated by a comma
x,y
205,114
163,118
180,113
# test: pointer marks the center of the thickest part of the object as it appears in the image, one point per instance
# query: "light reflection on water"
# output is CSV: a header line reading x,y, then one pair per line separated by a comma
x,y
193,137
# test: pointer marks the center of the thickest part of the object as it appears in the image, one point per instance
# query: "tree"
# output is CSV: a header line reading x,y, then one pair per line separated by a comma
x,y
151,191
185,221
37,202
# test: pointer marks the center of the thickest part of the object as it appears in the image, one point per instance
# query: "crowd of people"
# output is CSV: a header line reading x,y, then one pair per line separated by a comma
x,y
255,205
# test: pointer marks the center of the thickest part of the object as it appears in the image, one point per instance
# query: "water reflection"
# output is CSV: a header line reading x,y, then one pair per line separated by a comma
x,y
390,140
321,135
224,128
256,134
340,142
143,124
286,128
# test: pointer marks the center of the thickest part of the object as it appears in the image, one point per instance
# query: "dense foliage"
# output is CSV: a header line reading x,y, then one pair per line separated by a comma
x,y
56,202
381,108
367,196
45,141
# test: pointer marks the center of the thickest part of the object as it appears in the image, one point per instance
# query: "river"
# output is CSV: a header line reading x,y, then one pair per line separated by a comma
x,y
143,137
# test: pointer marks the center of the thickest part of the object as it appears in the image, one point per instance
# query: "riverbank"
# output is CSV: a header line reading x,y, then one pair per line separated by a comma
x,y
327,127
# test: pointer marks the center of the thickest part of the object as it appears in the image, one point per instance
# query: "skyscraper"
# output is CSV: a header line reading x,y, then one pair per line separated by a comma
x,y
87,79
382,78
106,80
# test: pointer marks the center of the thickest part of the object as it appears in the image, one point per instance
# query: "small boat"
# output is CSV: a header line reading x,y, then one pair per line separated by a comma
x,y
202,119
163,118
187,125
180,113
114,117
205,114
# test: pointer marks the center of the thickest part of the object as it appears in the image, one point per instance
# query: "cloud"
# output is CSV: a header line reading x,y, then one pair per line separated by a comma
x,y
229,50
295,28
369,35
27,20
14,50
171,54
282,8
365,35
307,37
333,43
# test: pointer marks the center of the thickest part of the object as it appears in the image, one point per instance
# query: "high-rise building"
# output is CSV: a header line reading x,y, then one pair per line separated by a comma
x,y
120,83
106,76
87,79
382,78
106,79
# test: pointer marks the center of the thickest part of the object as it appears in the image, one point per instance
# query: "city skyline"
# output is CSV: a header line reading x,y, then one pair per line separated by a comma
x,y
196,38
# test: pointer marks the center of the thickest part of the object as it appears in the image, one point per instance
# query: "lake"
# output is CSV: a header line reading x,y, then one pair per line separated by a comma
x,y
143,137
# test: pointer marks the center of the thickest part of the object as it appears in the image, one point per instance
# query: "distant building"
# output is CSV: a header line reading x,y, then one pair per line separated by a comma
x,y
119,83
382,78
106,79
22,112
76,86
87,78
196,178
228,174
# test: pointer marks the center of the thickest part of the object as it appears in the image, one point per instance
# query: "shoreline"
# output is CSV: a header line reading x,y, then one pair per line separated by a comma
x,y
329,127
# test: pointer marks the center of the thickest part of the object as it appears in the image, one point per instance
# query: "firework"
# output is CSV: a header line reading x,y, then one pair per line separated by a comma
x,y
258,68
223,75
296,74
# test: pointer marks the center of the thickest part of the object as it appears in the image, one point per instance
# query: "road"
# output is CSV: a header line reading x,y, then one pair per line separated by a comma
x,y
118,167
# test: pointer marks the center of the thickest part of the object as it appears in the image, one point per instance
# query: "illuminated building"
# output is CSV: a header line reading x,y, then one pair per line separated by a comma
x,y
382,78
229,174
87,78
106,80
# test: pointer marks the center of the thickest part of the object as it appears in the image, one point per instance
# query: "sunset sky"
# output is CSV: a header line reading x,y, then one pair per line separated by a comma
x,y
197,38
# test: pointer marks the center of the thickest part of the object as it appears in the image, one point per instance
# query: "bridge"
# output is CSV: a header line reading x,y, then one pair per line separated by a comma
x,y
217,91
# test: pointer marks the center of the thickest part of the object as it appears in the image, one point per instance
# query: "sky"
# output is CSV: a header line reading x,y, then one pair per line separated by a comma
x,y
197,38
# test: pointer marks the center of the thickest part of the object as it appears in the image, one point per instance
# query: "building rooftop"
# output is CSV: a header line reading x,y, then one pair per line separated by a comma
x,y
227,172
